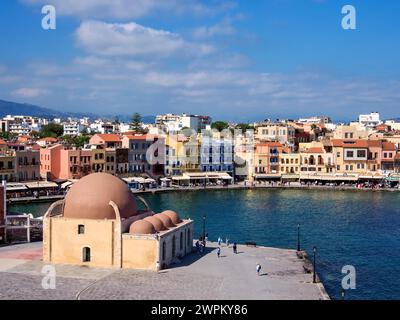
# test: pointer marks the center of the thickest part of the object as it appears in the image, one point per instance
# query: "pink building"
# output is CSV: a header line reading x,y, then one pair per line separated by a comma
x,y
106,140
58,163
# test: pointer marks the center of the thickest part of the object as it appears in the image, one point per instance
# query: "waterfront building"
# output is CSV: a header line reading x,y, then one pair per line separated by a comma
x,y
266,160
397,163
289,163
316,159
244,156
351,156
174,154
146,154
7,165
216,153
388,156
27,164
98,224
369,120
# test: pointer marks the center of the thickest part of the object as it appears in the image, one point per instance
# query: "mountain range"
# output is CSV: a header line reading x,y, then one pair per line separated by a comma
x,y
15,108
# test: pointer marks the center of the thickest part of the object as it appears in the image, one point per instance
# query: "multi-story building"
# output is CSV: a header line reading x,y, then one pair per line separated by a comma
x,y
106,140
7,165
266,157
369,120
174,154
73,128
175,123
279,132
350,132
146,154
316,160
27,165
388,156
21,125
216,153
289,163
350,156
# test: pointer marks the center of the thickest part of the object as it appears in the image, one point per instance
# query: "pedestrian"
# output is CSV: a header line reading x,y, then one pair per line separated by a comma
x,y
227,242
197,245
258,268
206,239
234,248
219,241
218,252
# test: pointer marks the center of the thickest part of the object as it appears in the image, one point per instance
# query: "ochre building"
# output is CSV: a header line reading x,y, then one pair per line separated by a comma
x,y
99,224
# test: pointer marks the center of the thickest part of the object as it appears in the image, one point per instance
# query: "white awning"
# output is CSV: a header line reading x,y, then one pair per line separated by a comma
x,y
16,187
149,180
41,184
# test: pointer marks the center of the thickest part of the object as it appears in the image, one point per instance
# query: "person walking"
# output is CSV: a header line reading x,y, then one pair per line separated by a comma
x,y
218,252
258,268
227,242
234,248
219,241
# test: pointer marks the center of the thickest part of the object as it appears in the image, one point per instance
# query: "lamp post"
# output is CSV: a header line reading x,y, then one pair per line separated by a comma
x,y
204,230
314,271
298,237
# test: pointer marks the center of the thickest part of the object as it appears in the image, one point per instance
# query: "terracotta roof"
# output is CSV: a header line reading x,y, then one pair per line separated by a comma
x,y
315,150
388,146
48,139
374,143
350,143
269,144
109,137
2,142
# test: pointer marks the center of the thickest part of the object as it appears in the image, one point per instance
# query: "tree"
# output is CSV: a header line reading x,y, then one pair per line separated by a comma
x,y
35,134
313,126
244,127
52,130
7,135
220,125
136,123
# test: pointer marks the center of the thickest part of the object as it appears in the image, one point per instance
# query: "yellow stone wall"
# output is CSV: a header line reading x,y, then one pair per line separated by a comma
x,y
139,252
66,245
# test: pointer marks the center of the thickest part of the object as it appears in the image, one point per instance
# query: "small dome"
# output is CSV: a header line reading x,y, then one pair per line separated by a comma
x,y
156,222
173,216
89,198
141,227
167,222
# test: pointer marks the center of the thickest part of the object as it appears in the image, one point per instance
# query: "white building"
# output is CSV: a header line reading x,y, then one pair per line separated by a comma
x,y
21,125
315,120
102,127
175,123
369,120
73,128
216,154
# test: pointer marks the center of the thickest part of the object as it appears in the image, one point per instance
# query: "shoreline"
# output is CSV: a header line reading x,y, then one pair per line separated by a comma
x,y
46,199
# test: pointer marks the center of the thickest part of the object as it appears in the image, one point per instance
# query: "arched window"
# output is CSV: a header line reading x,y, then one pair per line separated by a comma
x,y
86,256
163,251
173,246
181,242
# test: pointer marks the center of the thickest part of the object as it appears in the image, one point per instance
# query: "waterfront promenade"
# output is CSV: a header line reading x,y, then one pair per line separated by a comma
x,y
196,277
238,186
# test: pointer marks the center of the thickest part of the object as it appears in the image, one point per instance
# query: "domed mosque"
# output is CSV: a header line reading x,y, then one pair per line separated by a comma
x,y
99,224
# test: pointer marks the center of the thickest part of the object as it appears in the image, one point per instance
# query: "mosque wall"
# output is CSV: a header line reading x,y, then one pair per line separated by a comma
x,y
139,252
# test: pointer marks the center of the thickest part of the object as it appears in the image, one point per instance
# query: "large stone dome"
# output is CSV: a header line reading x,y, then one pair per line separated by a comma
x,y
89,198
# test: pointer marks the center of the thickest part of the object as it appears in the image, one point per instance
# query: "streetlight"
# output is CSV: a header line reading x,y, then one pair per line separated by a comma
x,y
204,230
314,273
298,237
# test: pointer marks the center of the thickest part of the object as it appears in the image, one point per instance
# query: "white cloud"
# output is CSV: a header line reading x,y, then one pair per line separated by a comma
x,y
128,9
132,39
221,29
29,92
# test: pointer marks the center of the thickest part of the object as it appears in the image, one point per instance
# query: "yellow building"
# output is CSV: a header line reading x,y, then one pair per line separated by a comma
x,y
289,163
99,224
351,156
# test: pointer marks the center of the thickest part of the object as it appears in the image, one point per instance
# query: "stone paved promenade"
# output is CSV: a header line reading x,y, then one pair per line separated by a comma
x,y
196,277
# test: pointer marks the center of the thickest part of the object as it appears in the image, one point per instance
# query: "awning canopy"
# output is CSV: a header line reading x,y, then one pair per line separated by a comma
x,y
41,185
267,176
16,187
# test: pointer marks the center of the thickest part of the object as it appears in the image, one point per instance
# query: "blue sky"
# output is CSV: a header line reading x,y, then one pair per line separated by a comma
x,y
235,60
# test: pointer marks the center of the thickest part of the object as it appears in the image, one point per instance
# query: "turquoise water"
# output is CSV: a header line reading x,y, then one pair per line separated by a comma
x,y
349,228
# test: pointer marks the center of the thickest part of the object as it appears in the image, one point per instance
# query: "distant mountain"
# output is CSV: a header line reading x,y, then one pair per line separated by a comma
x,y
14,108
